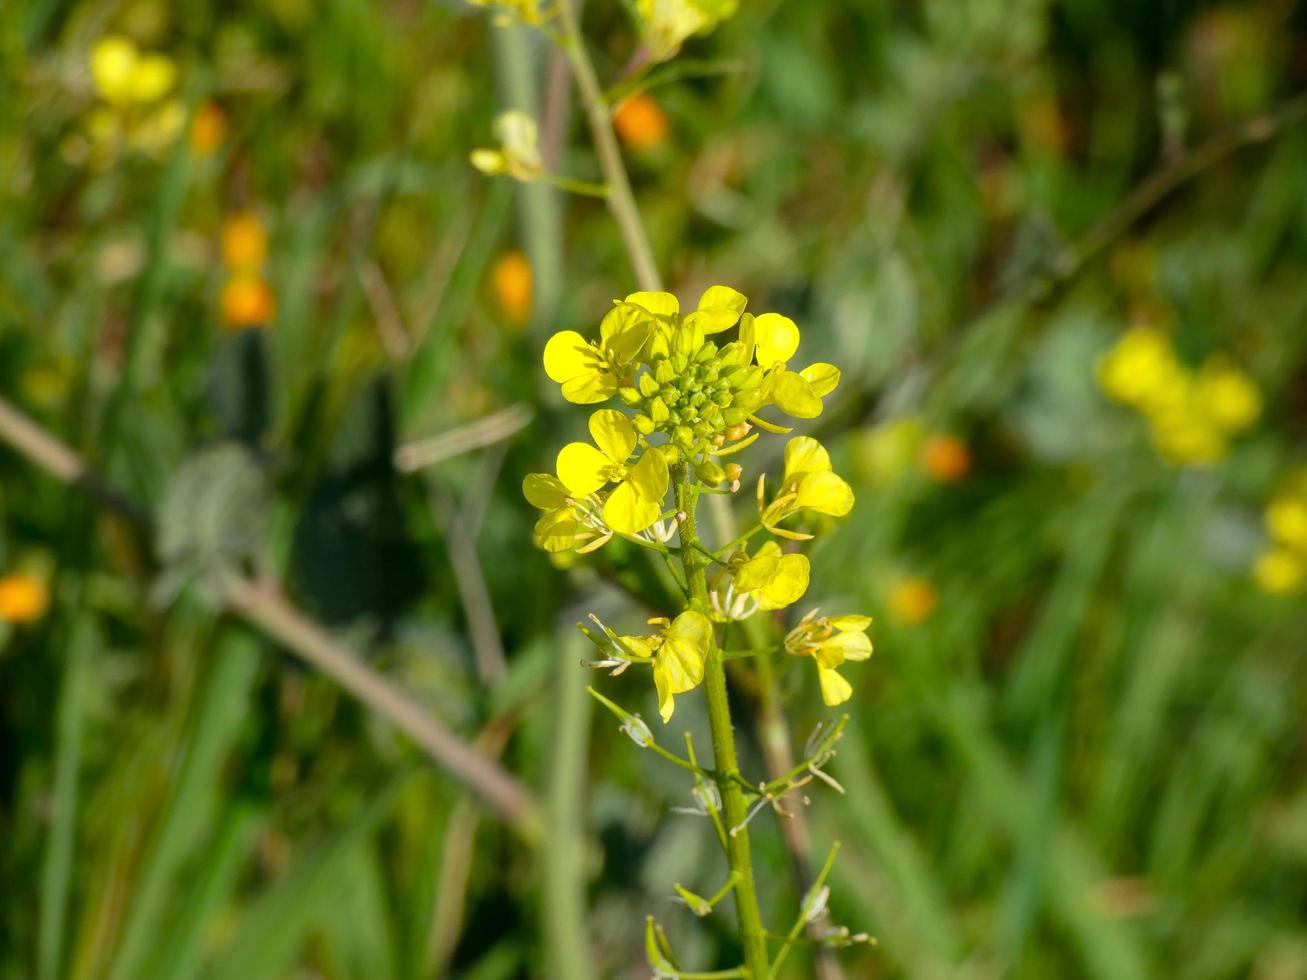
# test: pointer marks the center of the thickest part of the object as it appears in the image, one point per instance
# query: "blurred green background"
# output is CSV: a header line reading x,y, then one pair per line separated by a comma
x,y
249,280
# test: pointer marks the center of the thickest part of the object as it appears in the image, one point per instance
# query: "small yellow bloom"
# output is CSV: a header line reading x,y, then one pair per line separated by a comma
x,y
208,129
680,654
518,154
590,373
771,579
1137,369
808,483
640,123
1228,396
244,242
1286,519
511,279
1280,571
124,76
568,523
636,501
773,339
247,301
913,600
668,23
946,458
830,641
23,598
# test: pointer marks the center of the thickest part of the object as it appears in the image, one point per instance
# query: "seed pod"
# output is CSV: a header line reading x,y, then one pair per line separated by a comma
x,y
710,473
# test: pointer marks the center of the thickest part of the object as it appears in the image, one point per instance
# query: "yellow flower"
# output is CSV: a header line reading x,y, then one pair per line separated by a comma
x,y
636,501
640,123
680,652
207,129
773,339
1228,396
830,641
511,278
668,23
568,523
519,148
768,580
946,458
591,373
1279,571
124,76
808,483
1286,519
913,600
23,598
1138,367
247,301
244,242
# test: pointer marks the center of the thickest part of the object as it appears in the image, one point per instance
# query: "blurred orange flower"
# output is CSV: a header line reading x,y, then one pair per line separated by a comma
x,y
511,279
23,598
244,242
208,129
640,123
913,600
248,301
946,458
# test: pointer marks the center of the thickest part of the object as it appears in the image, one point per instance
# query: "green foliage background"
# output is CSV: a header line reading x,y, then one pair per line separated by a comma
x,y
1088,762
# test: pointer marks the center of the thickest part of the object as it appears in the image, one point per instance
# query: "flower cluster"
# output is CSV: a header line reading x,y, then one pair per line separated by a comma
x,y
667,24
691,397
136,107
1282,567
1192,415
247,299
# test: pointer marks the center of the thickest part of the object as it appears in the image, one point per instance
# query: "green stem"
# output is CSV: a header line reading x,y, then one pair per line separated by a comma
x,y
621,202
752,934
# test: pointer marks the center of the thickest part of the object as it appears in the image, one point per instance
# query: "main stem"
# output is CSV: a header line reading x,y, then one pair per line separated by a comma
x,y
752,934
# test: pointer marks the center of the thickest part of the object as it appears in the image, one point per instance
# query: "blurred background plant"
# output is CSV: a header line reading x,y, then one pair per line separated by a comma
x,y
1079,749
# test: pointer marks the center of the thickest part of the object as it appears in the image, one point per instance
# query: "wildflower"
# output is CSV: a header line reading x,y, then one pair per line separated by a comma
x,y
568,523
913,600
769,580
247,301
511,279
1138,367
680,652
773,339
124,76
636,500
640,123
519,148
208,129
1228,395
1280,571
1286,519
946,458
808,483
23,598
830,641
590,373
667,24
244,242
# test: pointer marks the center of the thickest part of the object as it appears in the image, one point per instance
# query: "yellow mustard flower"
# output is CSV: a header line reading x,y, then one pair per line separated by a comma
x,y
768,580
1286,519
23,598
568,523
667,24
1228,396
1138,367
1280,571
808,483
636,501
247,301
590,373
830,641
913,600
125,76
518,154
679,655
774,338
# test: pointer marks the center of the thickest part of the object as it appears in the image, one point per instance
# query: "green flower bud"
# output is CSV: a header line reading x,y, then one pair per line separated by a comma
x,y
710,473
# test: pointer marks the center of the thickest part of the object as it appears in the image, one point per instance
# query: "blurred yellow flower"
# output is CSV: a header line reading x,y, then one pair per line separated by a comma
x,y
518,154
1228,395
511,280
23,598
125,76
208,128
668,23
1279,571
830,641
946,458
1138,367
888,451
640,123
247,301
244,242
1286,519
913,600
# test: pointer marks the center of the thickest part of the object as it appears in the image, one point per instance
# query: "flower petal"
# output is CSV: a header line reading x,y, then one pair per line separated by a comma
x,y
582,468
613,433
851,646
623,332
657,303
649,476
822,378
834,688
568,354
723,297
777,338
804,454
826,493
851,623
557,530
544,491
590,387
628,511
787,585
793,395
